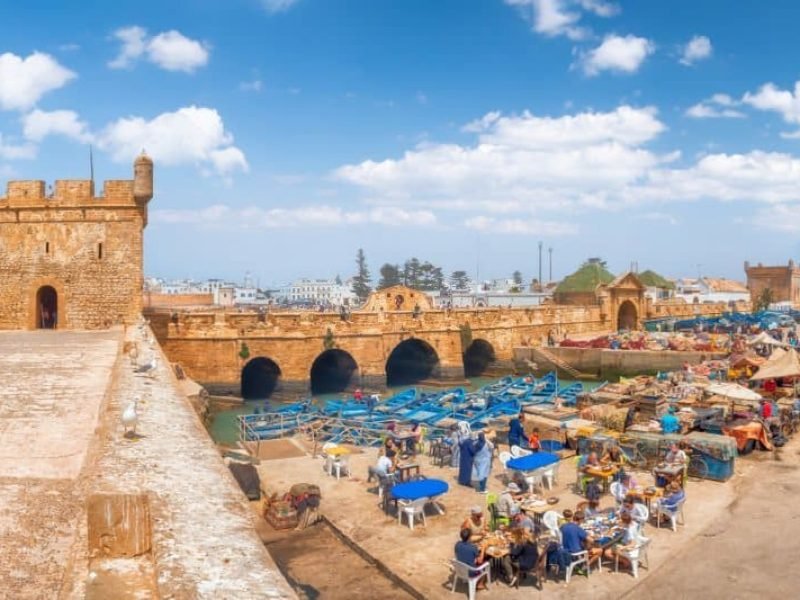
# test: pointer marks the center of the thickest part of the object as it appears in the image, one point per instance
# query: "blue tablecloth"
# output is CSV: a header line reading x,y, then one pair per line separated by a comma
x,y
424,488
534,461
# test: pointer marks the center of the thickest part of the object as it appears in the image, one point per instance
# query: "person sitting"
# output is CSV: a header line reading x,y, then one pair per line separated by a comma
x,y
516,430
469,554
675,455
533,441
592,508
506,504
627,506
628,482
589,461
522,521
390,450
614,457
382,468
630,539
413,440
475,524
669,422
574,539
524,553
674,496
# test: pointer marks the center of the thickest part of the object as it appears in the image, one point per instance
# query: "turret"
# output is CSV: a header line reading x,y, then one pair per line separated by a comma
x,y
143,178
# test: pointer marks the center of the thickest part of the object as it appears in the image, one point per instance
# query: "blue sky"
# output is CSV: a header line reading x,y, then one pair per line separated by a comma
x,y
289,133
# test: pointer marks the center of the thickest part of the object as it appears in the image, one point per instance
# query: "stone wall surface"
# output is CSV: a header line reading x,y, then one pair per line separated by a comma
x,y
207,344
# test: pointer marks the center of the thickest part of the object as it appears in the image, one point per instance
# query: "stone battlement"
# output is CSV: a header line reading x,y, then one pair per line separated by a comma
x,y
34,193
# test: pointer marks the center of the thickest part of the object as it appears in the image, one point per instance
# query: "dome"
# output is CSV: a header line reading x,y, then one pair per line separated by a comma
x,y
143,158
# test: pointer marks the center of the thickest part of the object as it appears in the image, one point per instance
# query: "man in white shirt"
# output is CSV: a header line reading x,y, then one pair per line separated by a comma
x,y
381,469
506,505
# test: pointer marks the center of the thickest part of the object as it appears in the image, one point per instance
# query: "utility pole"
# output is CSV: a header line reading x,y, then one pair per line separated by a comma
x,y
540,265
550,252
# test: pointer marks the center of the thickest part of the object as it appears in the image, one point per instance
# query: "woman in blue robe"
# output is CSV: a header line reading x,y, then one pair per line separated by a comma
x,y
466,454
482,463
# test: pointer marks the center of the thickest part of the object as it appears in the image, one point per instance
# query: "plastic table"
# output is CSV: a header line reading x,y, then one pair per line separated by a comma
x,y
424,488
534,461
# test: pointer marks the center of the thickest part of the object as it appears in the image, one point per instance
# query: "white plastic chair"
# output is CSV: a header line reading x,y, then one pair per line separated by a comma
x,y
550,520
535,479
341,463
578,559
673,514
462,572
637,556
516,452
640,514
328,465
504,457
412,509
550,476
618,491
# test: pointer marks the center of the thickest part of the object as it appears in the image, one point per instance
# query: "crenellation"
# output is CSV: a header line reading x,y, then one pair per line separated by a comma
x,y
52,273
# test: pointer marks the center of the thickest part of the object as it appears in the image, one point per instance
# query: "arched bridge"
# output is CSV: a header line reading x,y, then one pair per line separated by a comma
x,y
324,352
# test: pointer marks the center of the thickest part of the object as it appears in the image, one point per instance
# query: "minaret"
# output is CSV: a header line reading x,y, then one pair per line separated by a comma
x,y
143,182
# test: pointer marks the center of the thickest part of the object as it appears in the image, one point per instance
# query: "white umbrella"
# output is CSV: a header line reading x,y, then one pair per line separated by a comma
x,y
734,391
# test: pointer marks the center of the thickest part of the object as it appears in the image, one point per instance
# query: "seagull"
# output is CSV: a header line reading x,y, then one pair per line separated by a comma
x,y
148,366
130,418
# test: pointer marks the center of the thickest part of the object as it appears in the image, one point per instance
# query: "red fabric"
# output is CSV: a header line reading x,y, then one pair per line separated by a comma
x,y
766,410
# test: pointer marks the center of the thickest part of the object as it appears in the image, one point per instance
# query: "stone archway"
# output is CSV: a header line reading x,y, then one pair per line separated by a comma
x,y
627,316
410,362
46,307
259,378
332,372
477,357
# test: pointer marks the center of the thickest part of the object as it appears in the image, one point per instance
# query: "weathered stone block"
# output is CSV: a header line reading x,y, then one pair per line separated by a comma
x,y
119,525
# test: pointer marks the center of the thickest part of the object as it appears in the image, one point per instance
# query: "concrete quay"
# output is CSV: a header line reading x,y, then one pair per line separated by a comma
x,y
62,443
421,558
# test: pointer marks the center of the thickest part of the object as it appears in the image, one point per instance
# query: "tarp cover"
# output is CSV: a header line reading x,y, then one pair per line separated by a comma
x,y
787,365
247,478
734,391
720,447
765,339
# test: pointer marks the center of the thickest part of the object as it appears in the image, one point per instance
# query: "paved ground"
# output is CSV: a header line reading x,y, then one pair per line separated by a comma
x,y
51,388
751,551
422,556
61,439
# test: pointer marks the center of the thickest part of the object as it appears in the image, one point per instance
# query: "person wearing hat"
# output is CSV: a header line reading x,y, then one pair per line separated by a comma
x,y
476,524
506,503
669,422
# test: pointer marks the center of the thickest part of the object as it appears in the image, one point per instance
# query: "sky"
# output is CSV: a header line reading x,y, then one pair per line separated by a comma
x,y
287,134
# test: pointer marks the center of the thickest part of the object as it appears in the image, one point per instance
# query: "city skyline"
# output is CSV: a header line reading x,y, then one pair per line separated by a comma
x,y
289,133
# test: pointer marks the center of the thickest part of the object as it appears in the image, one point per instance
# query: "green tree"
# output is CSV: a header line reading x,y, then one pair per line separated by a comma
x,y
459,280
390,275
411,273
361,281
595,261
765,298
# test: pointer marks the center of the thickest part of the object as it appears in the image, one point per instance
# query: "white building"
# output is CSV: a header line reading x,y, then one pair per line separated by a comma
x,y
711,289
320,291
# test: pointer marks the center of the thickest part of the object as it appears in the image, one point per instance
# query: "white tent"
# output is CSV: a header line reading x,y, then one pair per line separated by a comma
x,y
733,391
765,339
785,365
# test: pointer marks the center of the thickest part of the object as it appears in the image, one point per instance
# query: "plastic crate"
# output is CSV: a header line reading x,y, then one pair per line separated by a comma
x,y
551,445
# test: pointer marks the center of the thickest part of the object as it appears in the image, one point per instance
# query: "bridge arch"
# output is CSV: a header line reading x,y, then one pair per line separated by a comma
x,y
477,357
332,371
259,378
627,316
411,361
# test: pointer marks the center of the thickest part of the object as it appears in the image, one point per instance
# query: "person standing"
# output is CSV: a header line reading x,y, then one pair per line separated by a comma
x,y
516,430
482,464
466,456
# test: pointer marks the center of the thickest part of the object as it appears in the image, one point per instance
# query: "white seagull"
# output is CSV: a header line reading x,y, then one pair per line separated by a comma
x,y
130,418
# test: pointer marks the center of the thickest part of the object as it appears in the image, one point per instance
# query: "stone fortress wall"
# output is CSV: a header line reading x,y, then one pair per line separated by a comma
x,y
207,344
85,251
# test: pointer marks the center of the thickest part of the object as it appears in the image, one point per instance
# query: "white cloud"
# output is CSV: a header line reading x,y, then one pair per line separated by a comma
x,y
223,216
190,135
520,226
657,216
23,81
16,151
276,6
771,98
617,53
553,18
38,124
697,49
170,50
520,163
718,106
782,218
522,169
251,86
421,98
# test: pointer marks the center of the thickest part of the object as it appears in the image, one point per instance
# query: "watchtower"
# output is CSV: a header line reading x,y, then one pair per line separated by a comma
x,y
70,259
